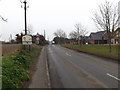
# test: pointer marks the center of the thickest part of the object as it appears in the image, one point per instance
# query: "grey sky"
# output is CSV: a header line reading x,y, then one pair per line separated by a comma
x,y
47,14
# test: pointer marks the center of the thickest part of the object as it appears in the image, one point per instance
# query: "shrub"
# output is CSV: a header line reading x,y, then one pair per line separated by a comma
x,y
15,67
13,74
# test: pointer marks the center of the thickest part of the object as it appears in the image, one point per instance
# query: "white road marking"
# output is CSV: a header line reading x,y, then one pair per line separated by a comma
x,y
67,54
113,76
48,75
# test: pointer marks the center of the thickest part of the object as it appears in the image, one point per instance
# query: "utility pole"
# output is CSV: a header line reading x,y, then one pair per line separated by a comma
x,y
25,8
25,16
44,33
10,37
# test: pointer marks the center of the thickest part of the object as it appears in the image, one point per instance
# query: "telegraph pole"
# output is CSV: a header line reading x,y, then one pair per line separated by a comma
x,y
25,16
44,34
25,42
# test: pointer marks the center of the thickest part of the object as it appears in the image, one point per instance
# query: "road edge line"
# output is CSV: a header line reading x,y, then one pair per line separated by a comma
x,y
110,75
48,73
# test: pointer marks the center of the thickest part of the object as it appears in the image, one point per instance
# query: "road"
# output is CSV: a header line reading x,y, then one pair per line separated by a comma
x,y
71,69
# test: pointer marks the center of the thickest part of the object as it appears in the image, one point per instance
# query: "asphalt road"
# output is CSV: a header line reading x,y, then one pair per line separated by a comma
x,y
71,69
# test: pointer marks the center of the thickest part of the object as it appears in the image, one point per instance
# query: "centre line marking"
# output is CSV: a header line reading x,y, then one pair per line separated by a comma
x,y
68,54
113,76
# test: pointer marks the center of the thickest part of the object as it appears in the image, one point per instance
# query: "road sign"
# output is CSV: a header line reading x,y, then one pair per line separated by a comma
x,y
27,40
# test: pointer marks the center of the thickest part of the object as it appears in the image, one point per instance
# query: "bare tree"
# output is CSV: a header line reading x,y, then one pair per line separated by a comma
x,y
106,19
60,33
80,30
3,18
30,29
60,36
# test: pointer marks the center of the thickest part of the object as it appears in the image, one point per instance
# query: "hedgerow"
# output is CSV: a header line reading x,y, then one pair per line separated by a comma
x,y
15,67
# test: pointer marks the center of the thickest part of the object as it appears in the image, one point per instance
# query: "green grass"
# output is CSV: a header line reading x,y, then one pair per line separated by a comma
x,y
101,49
15,67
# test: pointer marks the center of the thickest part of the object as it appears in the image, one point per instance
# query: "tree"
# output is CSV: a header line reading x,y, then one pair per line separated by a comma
x,y
79,31
60,33
19,38
3,18
30,29
106,19
56,40
60,36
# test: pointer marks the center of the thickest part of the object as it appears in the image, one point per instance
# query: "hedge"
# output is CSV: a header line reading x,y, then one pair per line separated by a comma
x,y
15,67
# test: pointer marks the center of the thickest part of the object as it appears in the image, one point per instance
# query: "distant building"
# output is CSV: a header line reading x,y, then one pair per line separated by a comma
x,y
38,39
85,39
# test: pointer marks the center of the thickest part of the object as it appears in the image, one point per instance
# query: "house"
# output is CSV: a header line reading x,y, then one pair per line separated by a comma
x,y
85,39
72,41
98,38
38,39
116,36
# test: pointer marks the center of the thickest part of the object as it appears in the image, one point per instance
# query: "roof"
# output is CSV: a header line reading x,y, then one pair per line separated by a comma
x,y
116,33
97,36
86,38
118,29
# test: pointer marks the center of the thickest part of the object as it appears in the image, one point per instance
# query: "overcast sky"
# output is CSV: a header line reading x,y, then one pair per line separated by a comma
x,y
47,14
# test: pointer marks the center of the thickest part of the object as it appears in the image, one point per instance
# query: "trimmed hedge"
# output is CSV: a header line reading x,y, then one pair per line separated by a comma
x,y
15,67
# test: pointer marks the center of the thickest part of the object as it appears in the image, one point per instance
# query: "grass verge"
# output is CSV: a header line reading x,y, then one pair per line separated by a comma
x,y
100,50
15,67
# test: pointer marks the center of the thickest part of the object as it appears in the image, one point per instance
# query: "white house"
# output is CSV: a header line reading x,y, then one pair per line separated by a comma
x,y
116,33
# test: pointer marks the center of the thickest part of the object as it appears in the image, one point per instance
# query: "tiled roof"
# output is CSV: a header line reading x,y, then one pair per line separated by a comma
x,y
97,36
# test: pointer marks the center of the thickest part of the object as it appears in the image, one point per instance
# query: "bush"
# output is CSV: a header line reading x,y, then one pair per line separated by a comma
x,y
15,67
13,74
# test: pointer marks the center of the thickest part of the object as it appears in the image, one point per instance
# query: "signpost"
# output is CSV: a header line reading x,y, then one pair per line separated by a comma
x,y
27,41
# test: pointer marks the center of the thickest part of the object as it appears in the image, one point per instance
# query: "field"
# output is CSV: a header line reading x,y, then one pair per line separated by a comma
x,y
8,48
101,49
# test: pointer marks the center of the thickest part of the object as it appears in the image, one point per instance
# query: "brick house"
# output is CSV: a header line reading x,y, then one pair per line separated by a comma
x,y
38,39
98,38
